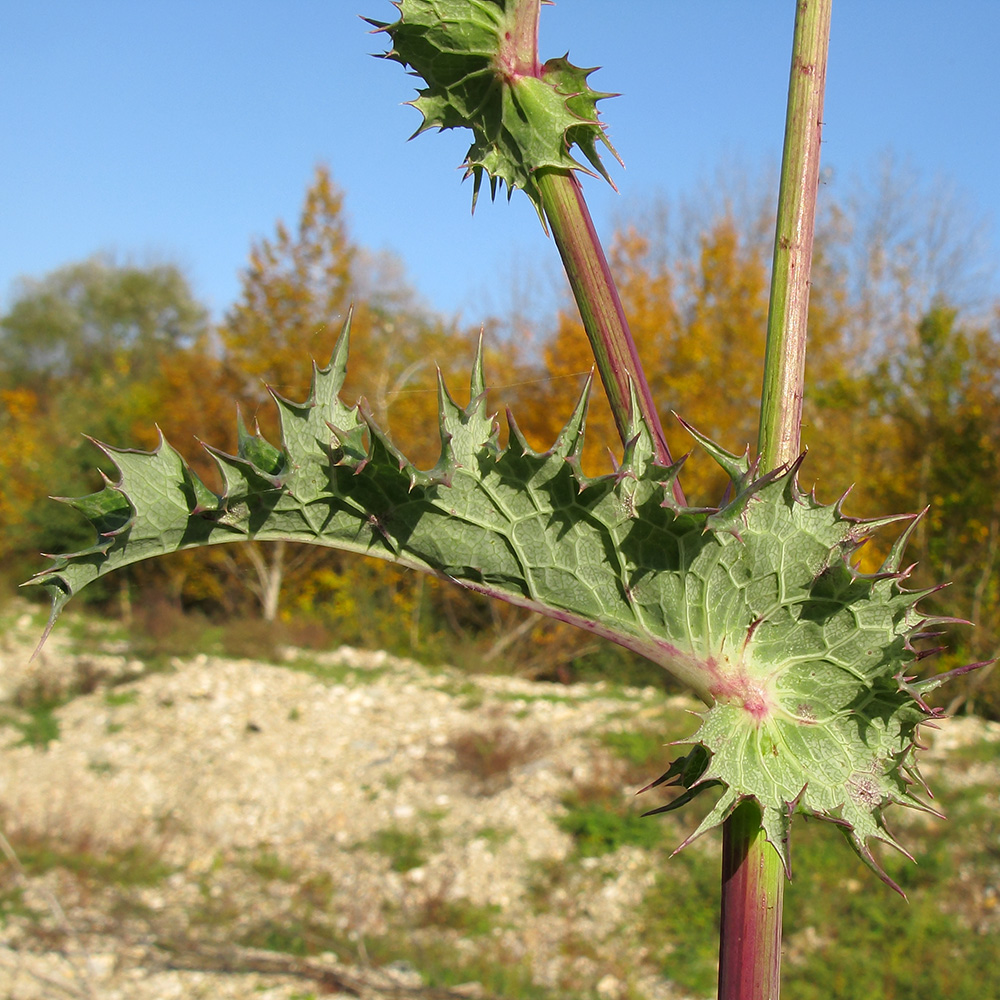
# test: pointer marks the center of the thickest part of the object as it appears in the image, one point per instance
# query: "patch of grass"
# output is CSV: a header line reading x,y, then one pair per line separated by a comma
x,y
939,944
607,660
315,891
14,608
128,907
638,747
496,835
37,724
12,904
458,915
670,719
405,849
270,867
290,936
601,818
643,745
36,704
89,631
302,928
678,921
434,957
602,827
643,755
418,941
113,699
216,912
545,876
555,697
471,694
977,752
335,673
134,866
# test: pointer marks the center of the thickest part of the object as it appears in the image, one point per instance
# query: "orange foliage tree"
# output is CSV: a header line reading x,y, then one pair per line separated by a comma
x,y
696,322
296,291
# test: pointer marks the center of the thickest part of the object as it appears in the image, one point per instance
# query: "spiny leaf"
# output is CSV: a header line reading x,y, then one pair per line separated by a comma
x,y
803,663
521,121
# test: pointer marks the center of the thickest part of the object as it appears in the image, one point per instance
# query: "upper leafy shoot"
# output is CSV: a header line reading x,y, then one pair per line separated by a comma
x,y
480,63
801,660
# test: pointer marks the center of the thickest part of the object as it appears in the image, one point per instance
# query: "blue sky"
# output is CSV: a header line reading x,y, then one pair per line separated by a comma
x,y
183,130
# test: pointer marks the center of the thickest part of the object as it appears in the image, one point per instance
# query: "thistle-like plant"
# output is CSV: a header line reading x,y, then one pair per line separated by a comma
x,y
802,661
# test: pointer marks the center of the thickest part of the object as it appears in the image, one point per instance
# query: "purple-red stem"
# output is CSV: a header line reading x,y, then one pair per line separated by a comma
x,y
583,257
601,308
750,927
519,54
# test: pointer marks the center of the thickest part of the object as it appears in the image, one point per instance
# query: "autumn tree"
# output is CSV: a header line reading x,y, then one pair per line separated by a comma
x,y
81,348
97,317
24,467
697,323
295,293
941,398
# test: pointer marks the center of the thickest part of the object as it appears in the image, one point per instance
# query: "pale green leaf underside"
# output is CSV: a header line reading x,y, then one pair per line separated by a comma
x,y
754,604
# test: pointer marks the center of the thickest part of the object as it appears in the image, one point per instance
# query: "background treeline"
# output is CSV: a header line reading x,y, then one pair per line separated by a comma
x,y
903,401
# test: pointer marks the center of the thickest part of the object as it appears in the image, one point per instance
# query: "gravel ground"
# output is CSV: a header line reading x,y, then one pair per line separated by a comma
x,y
350,795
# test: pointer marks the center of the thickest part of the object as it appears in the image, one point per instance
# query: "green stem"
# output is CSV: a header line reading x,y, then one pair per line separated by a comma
x,y
601,308
752,875
784,361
